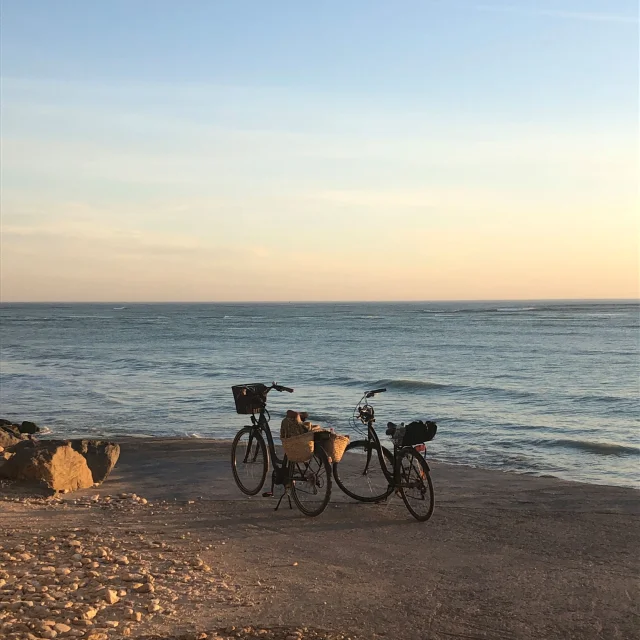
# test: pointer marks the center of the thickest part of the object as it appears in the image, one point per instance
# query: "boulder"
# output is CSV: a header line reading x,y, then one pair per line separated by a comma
x,y
63,465
28,427
101,456
52,462
8,437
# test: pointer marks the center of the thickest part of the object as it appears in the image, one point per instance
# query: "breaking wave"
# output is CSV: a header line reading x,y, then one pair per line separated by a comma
x,y
589,446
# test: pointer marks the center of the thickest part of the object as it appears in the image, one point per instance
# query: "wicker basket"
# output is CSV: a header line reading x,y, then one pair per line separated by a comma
x,y
334,446
299,448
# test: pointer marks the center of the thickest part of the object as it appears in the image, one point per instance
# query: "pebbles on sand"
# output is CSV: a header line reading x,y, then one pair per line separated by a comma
x,y
94,586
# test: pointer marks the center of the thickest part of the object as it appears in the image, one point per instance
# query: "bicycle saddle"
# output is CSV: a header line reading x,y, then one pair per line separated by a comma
x,y
391,428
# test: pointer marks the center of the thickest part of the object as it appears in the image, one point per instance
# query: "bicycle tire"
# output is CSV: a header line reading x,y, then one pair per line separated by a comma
x,y
419,475
374,495
322,461
258,447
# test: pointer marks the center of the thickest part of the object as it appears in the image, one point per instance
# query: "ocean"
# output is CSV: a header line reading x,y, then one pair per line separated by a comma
x,y
542,388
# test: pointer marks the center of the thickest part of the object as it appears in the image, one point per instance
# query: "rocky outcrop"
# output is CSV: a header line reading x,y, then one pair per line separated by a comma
x,y
101,456
61,465
25,427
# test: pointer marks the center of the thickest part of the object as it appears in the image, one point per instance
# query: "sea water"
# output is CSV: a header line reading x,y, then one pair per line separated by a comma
x,y
546,388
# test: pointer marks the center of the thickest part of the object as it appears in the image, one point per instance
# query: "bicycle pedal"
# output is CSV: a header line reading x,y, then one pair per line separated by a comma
x,y
267,494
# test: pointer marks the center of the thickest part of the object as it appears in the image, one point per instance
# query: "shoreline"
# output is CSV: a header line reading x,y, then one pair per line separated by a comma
x,y
49,435
446,470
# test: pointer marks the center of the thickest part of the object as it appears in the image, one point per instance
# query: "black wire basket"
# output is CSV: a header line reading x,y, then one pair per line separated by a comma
x,y
250,398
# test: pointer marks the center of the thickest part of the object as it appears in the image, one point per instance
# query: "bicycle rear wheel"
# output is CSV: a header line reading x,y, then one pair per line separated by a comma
x,y
359,473
416,487
311,483
249,460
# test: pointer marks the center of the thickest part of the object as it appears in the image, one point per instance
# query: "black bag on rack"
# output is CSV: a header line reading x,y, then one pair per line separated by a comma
x,y
417,432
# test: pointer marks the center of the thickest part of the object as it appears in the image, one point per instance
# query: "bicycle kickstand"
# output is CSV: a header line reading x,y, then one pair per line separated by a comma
x,y
286,493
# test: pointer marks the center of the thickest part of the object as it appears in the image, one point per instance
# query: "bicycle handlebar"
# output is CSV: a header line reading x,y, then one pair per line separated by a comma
x,y
281,388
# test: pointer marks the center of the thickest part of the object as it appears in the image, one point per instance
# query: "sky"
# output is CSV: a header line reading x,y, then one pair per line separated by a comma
x,y
242,150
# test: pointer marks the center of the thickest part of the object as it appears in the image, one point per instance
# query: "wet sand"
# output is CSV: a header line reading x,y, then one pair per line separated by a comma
x,y
504,555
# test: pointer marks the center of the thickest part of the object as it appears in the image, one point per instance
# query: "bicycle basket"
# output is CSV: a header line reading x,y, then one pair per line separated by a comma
x,y
249,398
334,445
418,432
299,448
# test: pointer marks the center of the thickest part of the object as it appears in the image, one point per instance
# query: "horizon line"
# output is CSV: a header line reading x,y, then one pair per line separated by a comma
x,y
283,302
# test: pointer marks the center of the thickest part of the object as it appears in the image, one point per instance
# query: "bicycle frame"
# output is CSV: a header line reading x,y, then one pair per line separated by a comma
x,y
392,476
262,424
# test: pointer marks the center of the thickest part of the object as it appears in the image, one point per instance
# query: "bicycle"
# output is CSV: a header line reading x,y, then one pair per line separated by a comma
x,y
309,483
404,470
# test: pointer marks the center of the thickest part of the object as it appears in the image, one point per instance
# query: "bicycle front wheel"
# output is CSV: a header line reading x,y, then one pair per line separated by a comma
x,y
359,473
249,461
311,483
416,487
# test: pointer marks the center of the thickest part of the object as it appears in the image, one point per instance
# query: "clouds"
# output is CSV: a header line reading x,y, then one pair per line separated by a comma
x,y
111,139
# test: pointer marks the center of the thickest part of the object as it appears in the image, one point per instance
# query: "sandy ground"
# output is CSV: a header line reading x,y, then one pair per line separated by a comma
x,y
504,555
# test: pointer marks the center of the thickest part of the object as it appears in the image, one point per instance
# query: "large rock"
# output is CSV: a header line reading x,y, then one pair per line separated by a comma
x,y
8,437
28,427
52,462
101,456
63,465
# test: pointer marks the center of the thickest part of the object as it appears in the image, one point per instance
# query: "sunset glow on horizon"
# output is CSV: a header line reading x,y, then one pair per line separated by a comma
x,y
375,151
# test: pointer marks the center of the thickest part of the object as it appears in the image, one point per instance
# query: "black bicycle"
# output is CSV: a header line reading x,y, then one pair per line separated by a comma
x,y
370,472
309,483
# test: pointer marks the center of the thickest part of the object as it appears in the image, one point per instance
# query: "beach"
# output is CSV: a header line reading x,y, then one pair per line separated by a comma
x,y
504,555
